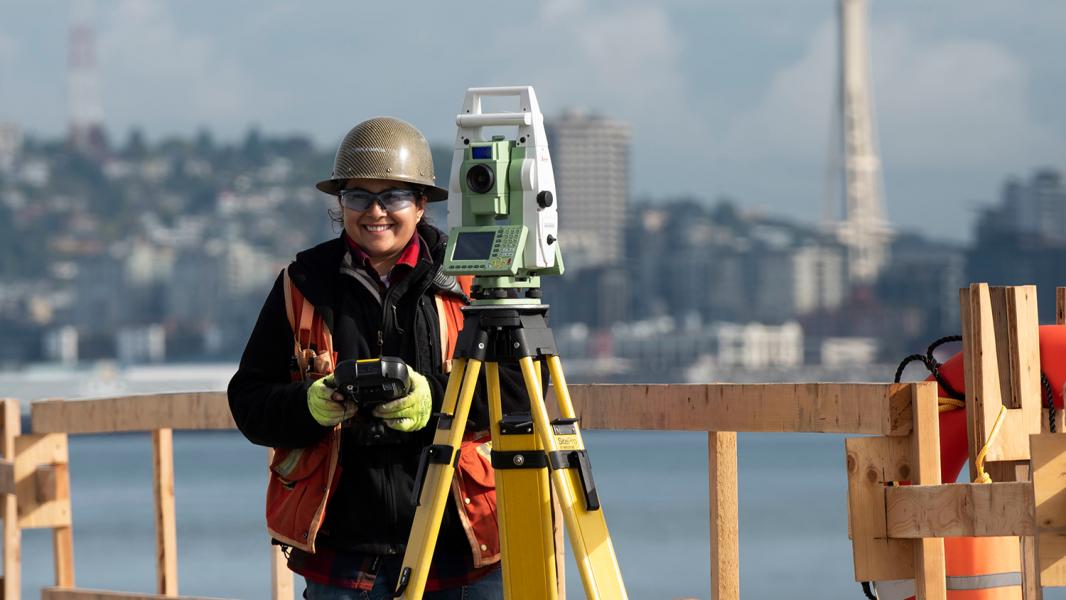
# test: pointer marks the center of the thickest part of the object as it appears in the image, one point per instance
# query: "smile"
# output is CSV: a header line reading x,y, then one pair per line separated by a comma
x,y
376,228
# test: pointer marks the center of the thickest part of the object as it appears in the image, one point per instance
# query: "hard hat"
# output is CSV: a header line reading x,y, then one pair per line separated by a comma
x,y
384,148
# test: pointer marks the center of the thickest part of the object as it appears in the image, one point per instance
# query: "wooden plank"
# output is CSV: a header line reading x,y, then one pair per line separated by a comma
x,y
1023,337
929,565
871,408
63,554
36,509
1049,491
968,346
880,409
166,530
725,552
1000,333
55,593
1019,471
982,377
872,462
198,410
1031,589
53,484
10,429
960,509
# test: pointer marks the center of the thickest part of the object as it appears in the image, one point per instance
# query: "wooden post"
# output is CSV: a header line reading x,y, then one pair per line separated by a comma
x,y
12,427
1049,495
929,580
722,476
58,483
165,525
281,583
281,587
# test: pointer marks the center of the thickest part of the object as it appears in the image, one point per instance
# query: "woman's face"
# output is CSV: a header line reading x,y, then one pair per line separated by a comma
x,y
379,233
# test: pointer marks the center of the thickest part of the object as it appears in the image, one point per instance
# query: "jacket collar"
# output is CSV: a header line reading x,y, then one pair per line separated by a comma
x,y
315,270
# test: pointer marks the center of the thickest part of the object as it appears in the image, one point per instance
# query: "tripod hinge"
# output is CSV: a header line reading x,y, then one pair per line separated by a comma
x,y
578,459
438,454
524,459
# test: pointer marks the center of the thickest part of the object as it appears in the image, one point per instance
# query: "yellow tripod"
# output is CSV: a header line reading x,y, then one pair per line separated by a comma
x,y
526,448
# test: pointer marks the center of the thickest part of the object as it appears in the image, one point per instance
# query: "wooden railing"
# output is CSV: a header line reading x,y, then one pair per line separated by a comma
x,y
895,530
719,409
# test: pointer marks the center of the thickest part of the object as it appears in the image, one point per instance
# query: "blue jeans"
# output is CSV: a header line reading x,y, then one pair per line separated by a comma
x,y
489,587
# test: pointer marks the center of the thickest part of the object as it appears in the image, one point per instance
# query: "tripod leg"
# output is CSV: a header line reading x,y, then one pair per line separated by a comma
x,y
523,501
572,482
439,468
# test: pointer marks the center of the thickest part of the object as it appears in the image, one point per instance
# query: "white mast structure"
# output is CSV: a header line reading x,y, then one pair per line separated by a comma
x,y
863,229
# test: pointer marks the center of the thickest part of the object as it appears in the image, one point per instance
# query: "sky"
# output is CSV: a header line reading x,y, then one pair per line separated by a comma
x,y
726,98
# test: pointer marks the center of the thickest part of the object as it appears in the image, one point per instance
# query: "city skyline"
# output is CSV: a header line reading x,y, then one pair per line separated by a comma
x,y
717,95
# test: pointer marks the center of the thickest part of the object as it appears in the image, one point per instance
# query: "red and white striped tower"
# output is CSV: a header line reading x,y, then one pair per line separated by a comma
x,y
85,112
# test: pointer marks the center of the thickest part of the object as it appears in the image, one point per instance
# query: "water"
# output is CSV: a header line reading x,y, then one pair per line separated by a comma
x,y
793,514
653,485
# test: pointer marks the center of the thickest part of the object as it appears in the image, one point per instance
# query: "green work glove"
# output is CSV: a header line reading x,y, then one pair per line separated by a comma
x,y
411,412
327,405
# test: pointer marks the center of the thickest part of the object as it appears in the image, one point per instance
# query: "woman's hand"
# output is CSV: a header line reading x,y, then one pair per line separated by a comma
x,y
411,412
327,405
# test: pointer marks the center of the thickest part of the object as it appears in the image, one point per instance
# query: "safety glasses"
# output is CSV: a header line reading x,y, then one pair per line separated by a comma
x,y
390,200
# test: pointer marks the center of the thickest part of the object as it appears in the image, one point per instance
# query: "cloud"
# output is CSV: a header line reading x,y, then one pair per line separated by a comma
x,y
154,73
955,103
8,52
943,102
791,119
8,49
625,61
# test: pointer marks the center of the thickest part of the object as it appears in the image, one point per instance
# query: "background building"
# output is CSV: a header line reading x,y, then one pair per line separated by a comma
x,y
1022,239
590,156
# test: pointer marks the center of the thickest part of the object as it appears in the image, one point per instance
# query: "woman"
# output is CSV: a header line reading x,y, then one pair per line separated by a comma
x,y
340,496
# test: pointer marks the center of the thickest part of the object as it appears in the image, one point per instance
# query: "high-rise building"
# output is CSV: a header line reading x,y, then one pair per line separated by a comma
x,y
590,156
1038,208
857,166
1021,240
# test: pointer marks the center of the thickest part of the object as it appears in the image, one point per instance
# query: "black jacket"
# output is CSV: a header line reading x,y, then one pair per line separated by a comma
x,y
373,507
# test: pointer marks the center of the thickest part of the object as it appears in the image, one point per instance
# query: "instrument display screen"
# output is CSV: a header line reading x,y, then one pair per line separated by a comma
x,y
473,245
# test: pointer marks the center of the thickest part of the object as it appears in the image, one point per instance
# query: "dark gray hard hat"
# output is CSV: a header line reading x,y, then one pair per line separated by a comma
x,y
384,148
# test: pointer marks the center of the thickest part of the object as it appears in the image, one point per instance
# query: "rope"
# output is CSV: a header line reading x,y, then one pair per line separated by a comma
x,y
949,404
946,404
982,476
940,342
909,360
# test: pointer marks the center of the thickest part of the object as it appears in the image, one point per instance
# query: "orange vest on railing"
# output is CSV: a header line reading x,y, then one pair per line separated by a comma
x,y
303,479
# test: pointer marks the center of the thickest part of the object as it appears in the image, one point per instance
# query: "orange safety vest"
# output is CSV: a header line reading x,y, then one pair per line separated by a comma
x,y
302,480
980,568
